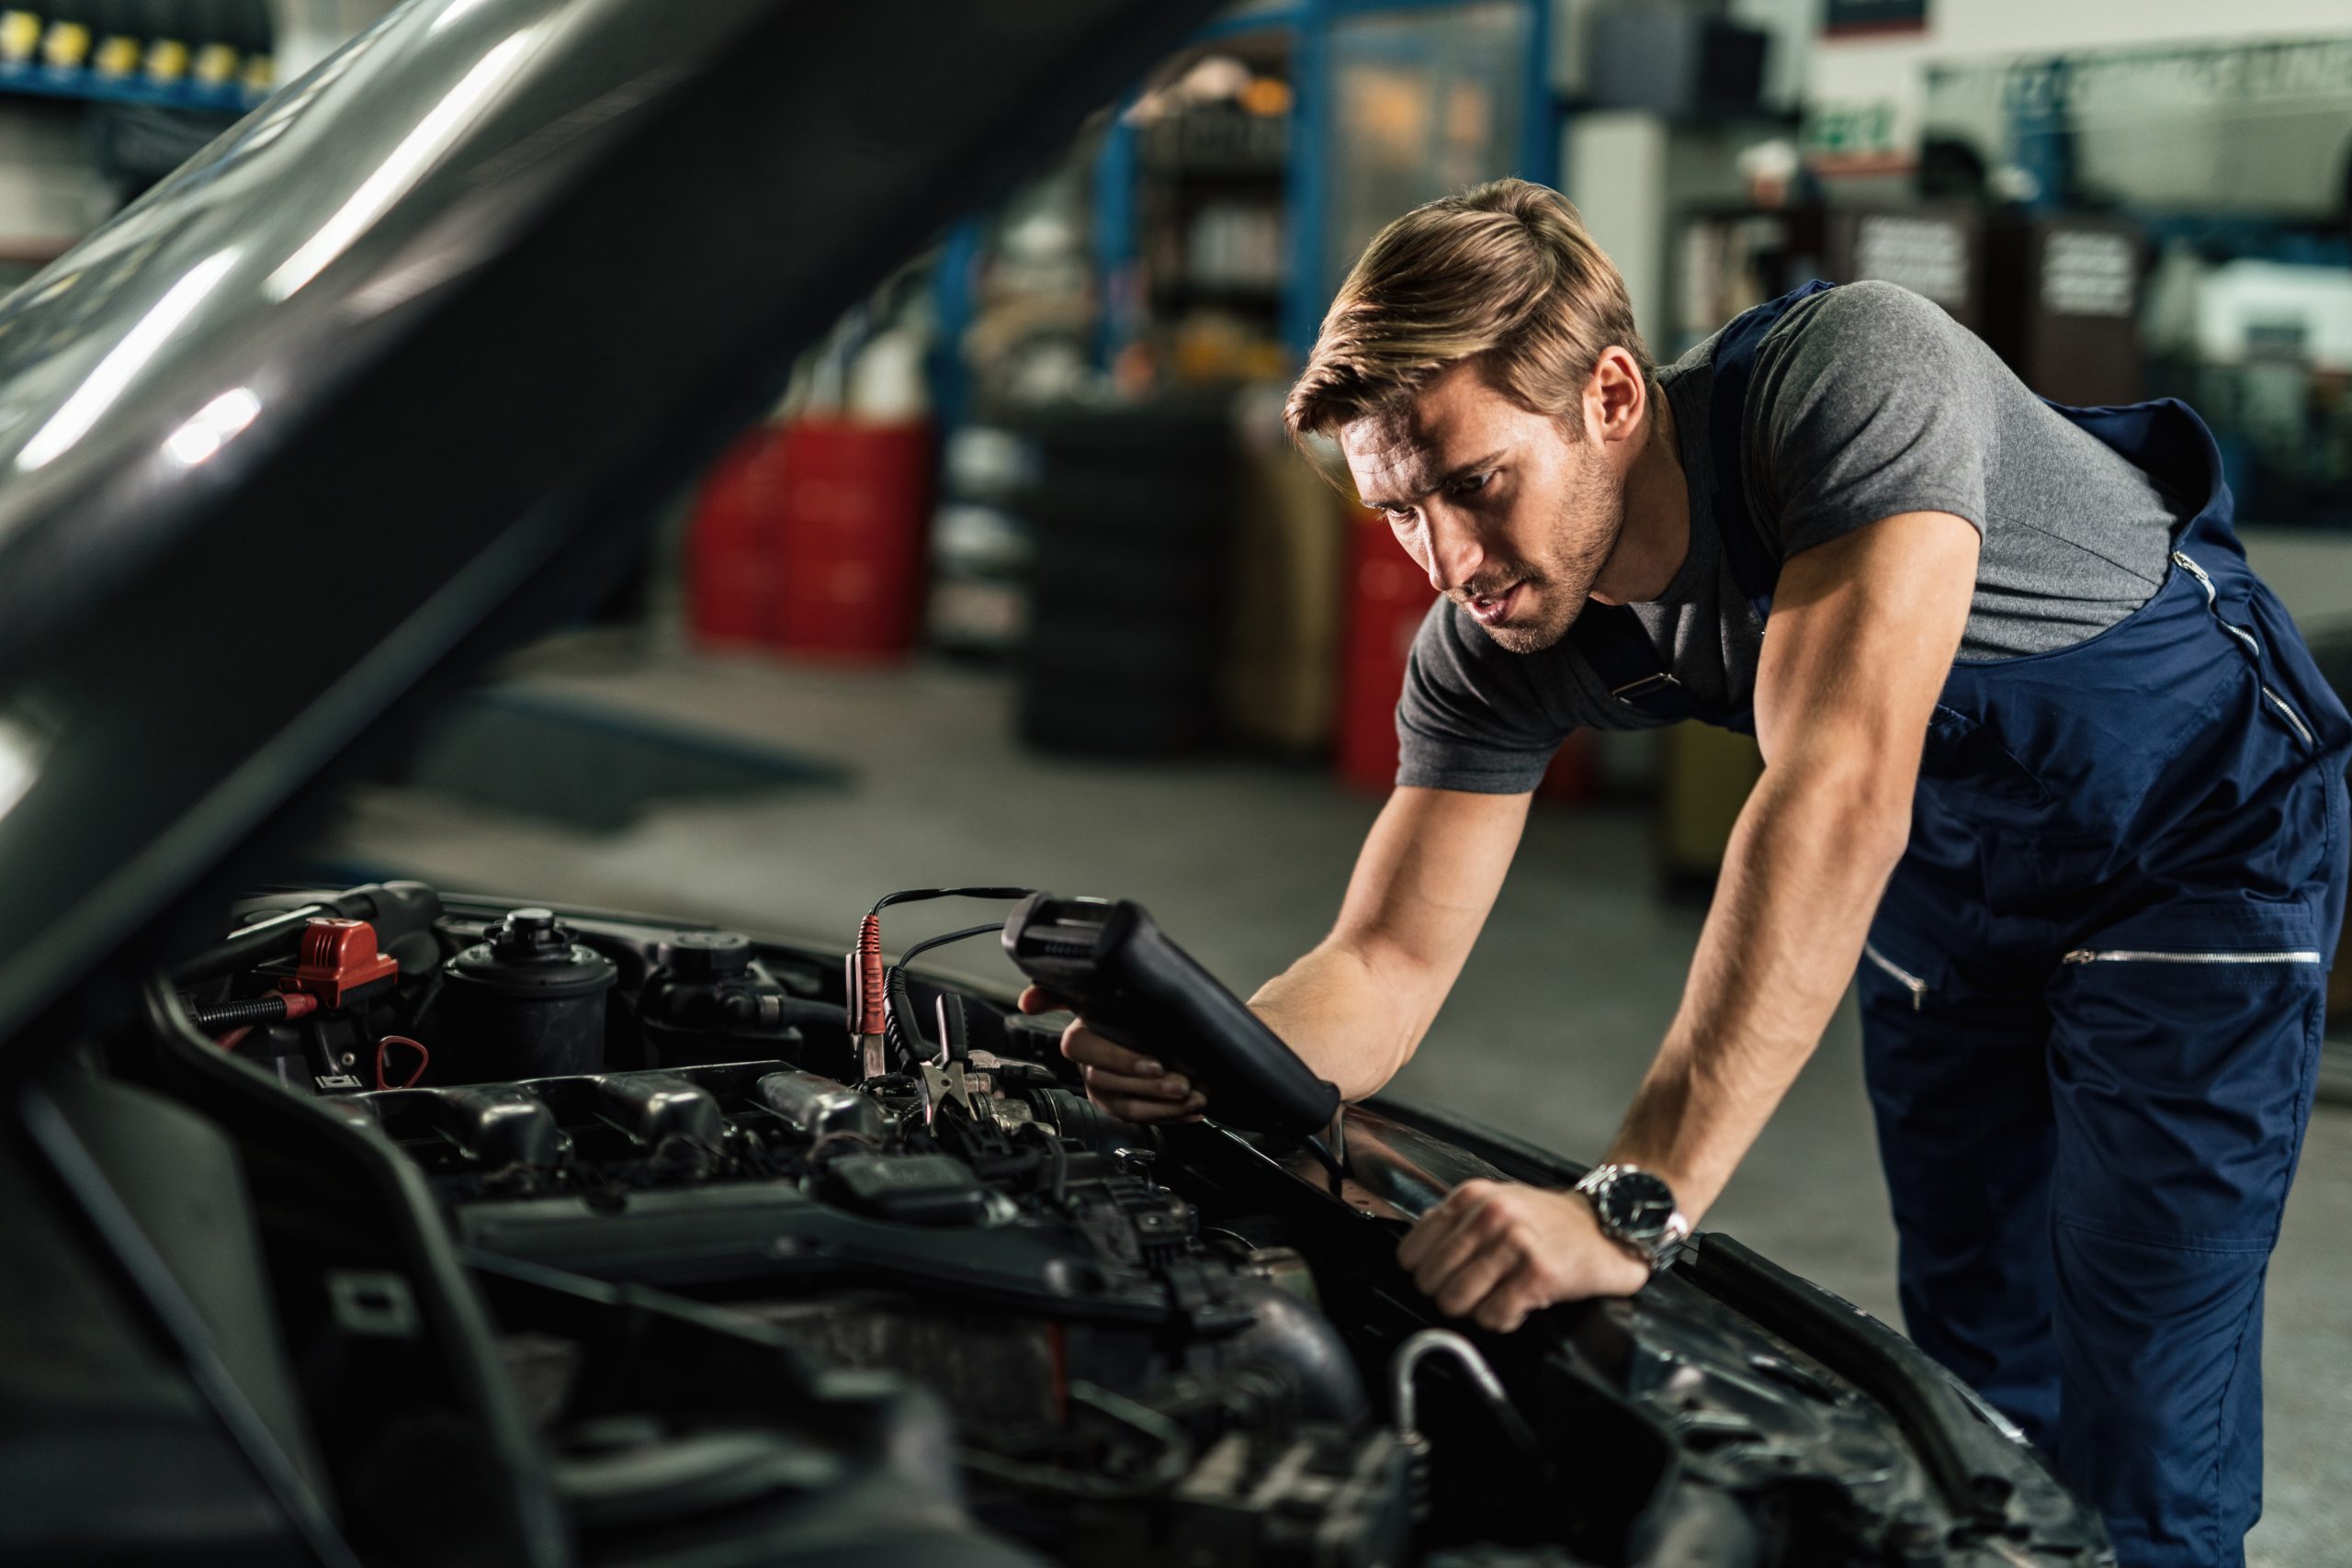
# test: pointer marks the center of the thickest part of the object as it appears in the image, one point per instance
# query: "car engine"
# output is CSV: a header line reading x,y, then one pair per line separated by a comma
x,y
762,1235
683,1110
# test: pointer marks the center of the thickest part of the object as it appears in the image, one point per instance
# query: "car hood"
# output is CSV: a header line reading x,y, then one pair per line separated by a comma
x,y
377,385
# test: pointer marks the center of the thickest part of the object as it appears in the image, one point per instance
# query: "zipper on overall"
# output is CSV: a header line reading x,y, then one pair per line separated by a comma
x,y
2152,955
2253,649
1899,975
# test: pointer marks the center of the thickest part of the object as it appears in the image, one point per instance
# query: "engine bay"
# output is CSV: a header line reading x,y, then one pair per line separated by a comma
x,y
762,1232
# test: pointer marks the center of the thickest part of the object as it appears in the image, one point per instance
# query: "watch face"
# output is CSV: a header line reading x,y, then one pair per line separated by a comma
x,y
1635,1204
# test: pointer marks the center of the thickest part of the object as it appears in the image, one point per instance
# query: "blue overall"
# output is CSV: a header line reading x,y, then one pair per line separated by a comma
x,y
2092,997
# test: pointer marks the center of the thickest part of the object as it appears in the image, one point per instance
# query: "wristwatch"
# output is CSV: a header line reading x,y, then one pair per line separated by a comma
x,y
1637,1209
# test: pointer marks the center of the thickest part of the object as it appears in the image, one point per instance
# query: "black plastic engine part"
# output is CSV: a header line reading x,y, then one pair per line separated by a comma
x,y
528,1002
923,1190
658,1107
997,1370
1321,1495
1082,1121
495,1127
1132,985
1327,1496
706,956
501,1127
708,1000
1291,1335
815,1107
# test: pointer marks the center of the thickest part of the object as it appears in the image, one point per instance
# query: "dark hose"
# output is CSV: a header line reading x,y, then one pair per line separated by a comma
x,y
274,1009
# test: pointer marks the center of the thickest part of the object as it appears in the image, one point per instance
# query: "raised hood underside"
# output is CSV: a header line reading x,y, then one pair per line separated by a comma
x,y
376,384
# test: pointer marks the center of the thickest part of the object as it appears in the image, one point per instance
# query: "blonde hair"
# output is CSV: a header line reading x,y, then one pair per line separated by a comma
x,y
1503,273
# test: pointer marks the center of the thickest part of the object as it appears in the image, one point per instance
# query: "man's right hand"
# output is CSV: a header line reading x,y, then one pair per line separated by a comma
x,y
1126,1083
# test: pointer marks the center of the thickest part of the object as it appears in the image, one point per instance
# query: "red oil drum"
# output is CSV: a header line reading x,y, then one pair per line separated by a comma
x,y
1387,597
732,543
855,515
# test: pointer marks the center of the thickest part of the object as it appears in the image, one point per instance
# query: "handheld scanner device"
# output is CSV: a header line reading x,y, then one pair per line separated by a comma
x,y
1132,984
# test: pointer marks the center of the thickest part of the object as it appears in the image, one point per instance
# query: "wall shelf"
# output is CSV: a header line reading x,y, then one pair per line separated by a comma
x,y
91,87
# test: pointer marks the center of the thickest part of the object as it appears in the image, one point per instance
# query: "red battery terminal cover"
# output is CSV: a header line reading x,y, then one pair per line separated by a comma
x,y
339,957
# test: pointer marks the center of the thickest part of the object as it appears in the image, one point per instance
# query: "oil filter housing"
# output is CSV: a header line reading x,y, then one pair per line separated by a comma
x,y
529,1001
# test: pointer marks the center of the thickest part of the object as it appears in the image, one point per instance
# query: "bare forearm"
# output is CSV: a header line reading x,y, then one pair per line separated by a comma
x,y
1350,1016
1802,873
1356,1007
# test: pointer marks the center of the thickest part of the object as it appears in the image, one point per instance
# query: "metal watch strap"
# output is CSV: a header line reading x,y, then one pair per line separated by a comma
x,y
1669,1247
1677,1229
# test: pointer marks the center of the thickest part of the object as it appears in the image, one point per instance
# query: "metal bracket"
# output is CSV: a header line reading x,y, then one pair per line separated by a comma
x,y
1643,687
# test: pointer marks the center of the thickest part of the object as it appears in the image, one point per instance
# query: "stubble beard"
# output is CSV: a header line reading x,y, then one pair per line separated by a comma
x,y
1584,531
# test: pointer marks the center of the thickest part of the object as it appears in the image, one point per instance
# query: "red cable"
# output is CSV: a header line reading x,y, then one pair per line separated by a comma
x,y
424,1059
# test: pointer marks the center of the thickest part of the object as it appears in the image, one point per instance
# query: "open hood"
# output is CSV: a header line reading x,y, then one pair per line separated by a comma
x,y
367,390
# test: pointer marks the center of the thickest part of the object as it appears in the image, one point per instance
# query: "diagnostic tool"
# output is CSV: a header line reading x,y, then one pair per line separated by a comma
x,y
1131,984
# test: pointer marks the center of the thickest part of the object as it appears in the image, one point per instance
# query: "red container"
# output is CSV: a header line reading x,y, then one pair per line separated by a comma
x,y
1387,597
730,561
856,516
1574,772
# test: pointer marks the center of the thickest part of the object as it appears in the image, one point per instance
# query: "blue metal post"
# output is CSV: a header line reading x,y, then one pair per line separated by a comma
x,y
1539,158
1117,168
1305,185
951,295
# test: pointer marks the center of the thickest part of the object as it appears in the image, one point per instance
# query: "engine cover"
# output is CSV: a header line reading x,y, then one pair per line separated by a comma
x,y
983,1230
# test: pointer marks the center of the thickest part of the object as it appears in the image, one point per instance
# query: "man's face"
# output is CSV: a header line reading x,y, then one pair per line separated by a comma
x,y
1511,513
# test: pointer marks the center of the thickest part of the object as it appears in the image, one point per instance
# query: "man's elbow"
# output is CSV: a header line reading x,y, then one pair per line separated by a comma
x,y
1864,796
1404,989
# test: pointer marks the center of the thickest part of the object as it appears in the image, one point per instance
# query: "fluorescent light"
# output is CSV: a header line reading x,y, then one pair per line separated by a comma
x,y
215,424
124,361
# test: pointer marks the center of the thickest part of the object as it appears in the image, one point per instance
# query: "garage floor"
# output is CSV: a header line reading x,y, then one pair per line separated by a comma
x,y
1548,1033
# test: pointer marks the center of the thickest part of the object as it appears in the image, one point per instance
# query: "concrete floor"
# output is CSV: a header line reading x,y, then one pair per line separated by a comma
x,y
1548,1033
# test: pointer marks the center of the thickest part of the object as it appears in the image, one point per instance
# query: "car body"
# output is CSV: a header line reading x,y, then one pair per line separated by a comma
x,y
389,1225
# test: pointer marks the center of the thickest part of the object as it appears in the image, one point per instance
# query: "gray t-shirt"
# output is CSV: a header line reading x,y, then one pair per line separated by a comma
x,y
1866,401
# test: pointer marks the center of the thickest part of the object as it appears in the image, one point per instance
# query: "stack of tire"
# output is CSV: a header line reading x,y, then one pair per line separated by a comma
x,y
1130,514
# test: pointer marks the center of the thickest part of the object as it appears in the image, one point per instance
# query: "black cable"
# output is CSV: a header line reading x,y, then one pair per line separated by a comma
x,y
1061,1161
901,1031
929,942
424,1000
213,1017
1062,1170
916,895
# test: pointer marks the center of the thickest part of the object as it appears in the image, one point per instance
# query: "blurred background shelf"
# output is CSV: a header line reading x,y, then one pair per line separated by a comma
x,y
92,86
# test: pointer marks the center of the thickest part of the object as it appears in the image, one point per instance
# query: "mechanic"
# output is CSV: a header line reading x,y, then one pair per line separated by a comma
x,y
2032,731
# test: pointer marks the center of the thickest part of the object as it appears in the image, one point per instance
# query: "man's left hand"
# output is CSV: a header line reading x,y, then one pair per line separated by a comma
x,y
1494,1251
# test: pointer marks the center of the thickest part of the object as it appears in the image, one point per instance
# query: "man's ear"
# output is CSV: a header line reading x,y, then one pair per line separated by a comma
x,y
1615,397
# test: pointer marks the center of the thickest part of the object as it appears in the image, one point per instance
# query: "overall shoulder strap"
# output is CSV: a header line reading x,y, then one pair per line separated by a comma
x,y
1752,567
1617,645
1609,637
